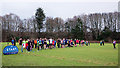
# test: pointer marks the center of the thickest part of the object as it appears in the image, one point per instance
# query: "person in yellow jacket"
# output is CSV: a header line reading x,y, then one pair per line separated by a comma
x,y
47,44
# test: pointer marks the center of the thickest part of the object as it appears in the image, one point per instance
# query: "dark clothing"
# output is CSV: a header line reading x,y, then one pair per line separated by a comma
x,y
114,45
42,44
103,43
42,41
32,43
20,42
66,42
45,42
79,42
47,45
29,44
14,42
75,41
59,43
35,45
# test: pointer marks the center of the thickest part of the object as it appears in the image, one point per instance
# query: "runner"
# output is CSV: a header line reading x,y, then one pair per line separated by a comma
x,y
79,42
45,43
71,43
82,42
29,45
40,43
20,42
35,42
66,43
101,43
114,43
54,43
75,42
86,43
12,41
50,43
59,42
63,43
23,44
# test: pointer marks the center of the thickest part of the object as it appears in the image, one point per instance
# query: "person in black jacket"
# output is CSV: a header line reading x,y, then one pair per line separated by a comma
x,y
32,43
59,42
103,42
14,41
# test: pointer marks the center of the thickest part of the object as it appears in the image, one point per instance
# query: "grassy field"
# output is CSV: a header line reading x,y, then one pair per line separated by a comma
x,y
93,55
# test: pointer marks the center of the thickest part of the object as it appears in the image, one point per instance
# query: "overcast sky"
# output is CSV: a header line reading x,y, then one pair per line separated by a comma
x,y
57,8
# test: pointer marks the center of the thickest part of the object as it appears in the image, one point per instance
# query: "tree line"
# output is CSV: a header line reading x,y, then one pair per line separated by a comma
x,y
94,26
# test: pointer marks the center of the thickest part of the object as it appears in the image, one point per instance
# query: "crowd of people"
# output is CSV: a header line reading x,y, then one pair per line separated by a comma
x,y
44,43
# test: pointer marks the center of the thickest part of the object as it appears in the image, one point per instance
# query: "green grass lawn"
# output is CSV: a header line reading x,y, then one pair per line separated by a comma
x,y
93,55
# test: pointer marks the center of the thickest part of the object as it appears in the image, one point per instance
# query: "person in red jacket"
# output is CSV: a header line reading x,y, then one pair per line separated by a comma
x,y
77,42
53,43
35,42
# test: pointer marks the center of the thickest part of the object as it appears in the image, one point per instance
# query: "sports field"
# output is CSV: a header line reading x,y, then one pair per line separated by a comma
x,y
93,55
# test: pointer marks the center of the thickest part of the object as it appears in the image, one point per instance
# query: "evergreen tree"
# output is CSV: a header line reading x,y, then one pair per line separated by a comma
x,y
40,17
77,32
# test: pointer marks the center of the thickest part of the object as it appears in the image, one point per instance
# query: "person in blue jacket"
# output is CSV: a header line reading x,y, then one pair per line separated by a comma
x,y
12,41
54,43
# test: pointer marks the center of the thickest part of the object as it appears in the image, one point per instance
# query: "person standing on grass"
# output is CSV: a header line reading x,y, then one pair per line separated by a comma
x,y
20,42
79,42
40,43
63,43
89,43
75,42
68,42
114,43
103,42
12,41
50,42
86,43
23,44
59,42
54,43
45,43
72,43
35,42
82,42
29,45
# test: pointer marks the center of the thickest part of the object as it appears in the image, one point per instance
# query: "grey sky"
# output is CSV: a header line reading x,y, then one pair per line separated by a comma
x,y
57,9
